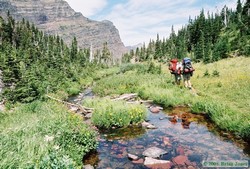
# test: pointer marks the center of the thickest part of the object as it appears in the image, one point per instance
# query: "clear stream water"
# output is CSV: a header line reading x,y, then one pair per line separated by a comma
x,y
199,141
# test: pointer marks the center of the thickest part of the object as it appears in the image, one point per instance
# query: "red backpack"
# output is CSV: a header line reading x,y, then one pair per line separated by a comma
x,y
172,66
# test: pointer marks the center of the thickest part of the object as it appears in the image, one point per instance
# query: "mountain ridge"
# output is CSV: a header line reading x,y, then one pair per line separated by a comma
x,y
58,18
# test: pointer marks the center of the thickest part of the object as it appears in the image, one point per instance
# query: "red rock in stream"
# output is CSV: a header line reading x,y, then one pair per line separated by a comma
x,y
180,150
140,161
119,156
157,164
181,160
155,109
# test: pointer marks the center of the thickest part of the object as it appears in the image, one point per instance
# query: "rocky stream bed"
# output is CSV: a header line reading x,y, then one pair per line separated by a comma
x,y
171,138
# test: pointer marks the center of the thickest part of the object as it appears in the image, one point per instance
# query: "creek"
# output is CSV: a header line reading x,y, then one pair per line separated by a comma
x,y
192,143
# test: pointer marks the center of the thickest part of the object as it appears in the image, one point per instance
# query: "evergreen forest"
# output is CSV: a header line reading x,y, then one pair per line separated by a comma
x,y
208,37
33,63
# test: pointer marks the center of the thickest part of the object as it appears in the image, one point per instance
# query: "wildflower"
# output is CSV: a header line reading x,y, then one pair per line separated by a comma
x,y
56,147
48,138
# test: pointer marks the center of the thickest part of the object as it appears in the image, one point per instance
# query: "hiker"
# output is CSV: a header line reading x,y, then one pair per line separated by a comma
x,y
187,72
175,68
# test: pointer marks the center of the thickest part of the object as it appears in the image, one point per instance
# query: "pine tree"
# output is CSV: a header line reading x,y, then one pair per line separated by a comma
x,y
239,10
73,50
158,53
246,15
106,55
172,44
199,48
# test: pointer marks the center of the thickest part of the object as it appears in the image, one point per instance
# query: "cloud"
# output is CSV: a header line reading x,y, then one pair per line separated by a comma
x,y
87,8
139,21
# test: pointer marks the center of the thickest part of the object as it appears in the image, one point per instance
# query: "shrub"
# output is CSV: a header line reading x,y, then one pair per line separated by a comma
x,y
76,139
216,73
149,67
55,160
206,74
129,66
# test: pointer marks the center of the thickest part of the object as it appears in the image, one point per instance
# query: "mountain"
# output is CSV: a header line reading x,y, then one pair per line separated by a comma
x,y
57,17
139,45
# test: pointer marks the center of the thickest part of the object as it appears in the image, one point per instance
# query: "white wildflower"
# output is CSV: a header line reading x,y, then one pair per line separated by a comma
x,y
48,138
56,147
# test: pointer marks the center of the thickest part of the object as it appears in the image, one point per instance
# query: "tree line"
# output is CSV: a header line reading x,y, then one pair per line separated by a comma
x,y
208,37
33,63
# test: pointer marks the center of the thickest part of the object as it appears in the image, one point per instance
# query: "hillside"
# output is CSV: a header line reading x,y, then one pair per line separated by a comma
x,y
226,81
58,18
206,38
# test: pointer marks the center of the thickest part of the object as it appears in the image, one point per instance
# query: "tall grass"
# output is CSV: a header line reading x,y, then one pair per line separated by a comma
x,y
223,90
108,113
157,87
225,96
43,135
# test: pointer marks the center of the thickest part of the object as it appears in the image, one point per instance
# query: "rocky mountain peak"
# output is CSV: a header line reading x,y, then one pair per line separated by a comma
x,y
57,17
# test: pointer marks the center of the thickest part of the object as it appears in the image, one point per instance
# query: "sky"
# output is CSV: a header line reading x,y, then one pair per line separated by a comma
x,y
138,21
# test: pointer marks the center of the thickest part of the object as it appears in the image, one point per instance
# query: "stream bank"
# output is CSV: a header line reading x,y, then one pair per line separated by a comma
x,y
187,143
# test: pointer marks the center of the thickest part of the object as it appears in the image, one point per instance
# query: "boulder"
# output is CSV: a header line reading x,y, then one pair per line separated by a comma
x,y
181,160
88,116
148,125
151,126
159,164
73,108
154,152
133,157
155,109
140,161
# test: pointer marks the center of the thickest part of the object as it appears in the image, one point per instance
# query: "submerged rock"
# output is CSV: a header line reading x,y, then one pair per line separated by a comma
x,y
159,164
181,160
154,152
151,126
133,157
155,109
166,141
139,161
148,125
180,150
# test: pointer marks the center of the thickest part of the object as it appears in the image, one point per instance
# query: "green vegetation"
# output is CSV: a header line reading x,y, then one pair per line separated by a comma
x,y
226,97
29,57
158,87
110,113
222,88
208,38
43,135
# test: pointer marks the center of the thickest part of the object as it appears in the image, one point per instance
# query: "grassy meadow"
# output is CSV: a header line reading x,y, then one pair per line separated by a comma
x,y
43,135
223,90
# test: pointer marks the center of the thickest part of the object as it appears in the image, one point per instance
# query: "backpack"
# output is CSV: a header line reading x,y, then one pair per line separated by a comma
x,y
172,66
187,65
178,68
